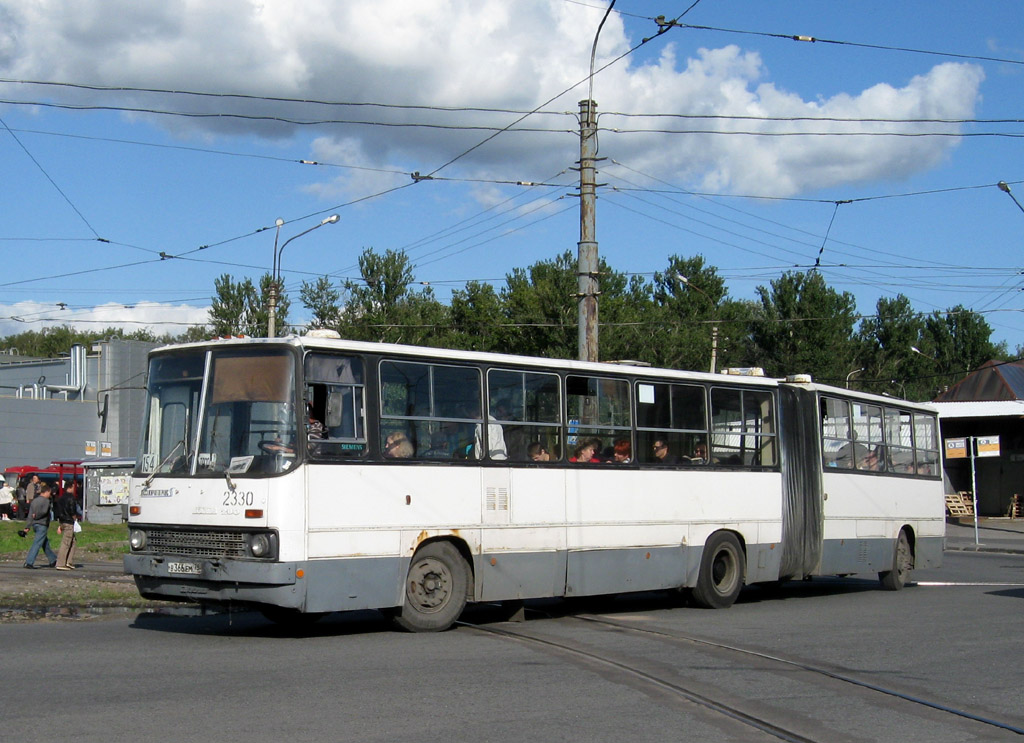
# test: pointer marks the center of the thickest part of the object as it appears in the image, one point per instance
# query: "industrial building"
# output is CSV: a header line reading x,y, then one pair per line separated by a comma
x,y
85,405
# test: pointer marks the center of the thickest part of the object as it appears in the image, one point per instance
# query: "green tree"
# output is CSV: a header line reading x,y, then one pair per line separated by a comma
x,y
322,299
693,317
803,325
886,360
382,308
959,340
624,314
540,305
477,318
55,340
193,334
239,308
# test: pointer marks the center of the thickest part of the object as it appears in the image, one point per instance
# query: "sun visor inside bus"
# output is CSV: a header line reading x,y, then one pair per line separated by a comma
x,y
247,378
334,369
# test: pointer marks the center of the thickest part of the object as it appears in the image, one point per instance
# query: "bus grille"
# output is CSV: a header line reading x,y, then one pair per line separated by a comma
x,y
196,543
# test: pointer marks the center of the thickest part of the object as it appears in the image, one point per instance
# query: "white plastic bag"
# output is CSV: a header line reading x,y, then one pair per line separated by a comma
x,y
78,527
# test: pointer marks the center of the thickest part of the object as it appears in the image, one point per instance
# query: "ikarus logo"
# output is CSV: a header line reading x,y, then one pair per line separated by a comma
x,y
159,493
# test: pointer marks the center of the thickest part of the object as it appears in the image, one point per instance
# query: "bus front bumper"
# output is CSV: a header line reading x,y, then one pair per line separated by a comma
x,y
217,581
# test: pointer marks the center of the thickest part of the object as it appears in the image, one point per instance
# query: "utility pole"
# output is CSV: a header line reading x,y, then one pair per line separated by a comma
x,y
587,263
714,348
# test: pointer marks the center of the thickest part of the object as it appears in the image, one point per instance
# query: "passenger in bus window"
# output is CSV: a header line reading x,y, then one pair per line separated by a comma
x,y
496,447
314,427
622,452
440,446
584,452
398,446
851,455
874,460
700,453
661,452
537,453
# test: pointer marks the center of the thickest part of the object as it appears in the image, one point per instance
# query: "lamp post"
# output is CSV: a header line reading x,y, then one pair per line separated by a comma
x,y
587,263
855,371
714,328
275,271
1005,188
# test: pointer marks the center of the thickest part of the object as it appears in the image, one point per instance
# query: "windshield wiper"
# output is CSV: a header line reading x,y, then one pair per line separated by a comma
x,y
166,460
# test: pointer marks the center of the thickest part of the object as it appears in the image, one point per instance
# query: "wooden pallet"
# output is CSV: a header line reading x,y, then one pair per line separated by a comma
x,y
1015,511
959,504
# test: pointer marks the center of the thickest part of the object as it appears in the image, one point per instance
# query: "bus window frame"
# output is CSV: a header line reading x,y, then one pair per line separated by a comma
x,y
336,448
879,444
513,426
678,440
762,439
387,424
576,432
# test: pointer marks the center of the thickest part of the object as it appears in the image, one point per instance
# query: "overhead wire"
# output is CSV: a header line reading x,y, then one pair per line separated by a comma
x,y
881,47
535,111
49,178
872,278
285,120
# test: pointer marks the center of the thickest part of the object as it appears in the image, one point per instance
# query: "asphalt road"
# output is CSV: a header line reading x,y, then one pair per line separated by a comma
x,y
953,638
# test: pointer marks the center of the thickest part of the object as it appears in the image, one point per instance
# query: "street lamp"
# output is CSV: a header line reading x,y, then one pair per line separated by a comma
x,y
714,328
855,371
275,271
1005,188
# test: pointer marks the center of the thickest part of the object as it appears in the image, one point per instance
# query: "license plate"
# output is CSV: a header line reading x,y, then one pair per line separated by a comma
x,y
185,568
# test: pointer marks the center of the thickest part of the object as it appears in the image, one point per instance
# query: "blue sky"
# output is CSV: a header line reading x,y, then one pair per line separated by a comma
x,y
97,185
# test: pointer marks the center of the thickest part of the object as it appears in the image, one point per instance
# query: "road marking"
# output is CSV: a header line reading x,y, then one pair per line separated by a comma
x,y
932,584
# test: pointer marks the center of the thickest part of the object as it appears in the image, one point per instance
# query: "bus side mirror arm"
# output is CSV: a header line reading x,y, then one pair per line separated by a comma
x,y
101,412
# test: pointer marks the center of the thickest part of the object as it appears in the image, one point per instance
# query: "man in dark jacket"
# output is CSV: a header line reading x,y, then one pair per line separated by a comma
x,y
39,523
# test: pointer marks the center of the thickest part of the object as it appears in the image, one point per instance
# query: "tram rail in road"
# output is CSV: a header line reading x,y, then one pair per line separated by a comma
x,y
776,722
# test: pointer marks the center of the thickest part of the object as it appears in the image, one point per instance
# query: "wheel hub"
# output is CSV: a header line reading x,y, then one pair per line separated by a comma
x,y
429,586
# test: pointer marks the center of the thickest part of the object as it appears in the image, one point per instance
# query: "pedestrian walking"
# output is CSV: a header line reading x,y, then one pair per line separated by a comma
x,y
6,502
39,523
31,491
65,509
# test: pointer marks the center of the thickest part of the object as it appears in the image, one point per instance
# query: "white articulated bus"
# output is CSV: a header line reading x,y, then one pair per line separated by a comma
x,y
301,476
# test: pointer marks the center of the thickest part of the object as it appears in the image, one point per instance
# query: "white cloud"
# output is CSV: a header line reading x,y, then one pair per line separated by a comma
x,y
158,318
483,53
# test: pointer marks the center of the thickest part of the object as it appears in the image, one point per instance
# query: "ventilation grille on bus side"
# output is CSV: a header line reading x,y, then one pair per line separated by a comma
x,y
497,499
196,543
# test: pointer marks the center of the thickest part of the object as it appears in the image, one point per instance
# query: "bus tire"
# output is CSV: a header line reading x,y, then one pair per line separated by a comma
x,y
721,572
435,589
903,563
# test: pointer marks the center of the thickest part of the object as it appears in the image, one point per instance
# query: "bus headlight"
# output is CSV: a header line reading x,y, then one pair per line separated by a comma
x,y
137,539
259,545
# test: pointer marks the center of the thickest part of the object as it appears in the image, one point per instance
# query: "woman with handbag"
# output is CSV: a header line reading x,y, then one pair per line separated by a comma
x,y
66,511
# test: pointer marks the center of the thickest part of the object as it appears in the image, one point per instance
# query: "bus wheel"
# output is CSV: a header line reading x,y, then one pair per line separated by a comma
x,y
721,572
435,589
903,563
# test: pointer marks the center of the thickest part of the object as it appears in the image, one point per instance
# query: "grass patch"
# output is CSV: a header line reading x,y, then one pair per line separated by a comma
x,y
96,542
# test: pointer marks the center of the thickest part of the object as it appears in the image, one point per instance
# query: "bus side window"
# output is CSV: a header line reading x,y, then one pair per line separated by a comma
x,y
437,406
335,409
597,409
671,421
743,428
524,405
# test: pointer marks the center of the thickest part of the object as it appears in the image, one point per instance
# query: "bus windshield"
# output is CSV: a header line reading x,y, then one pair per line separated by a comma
x,y
247,424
